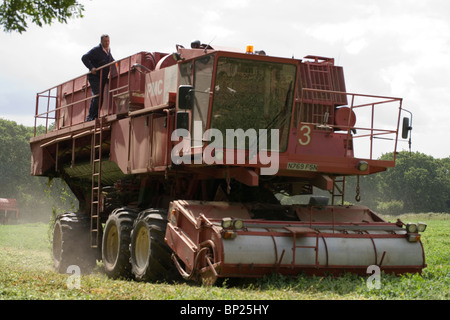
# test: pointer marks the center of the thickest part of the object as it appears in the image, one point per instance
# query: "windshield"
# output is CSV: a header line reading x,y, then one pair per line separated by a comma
x,y
252,94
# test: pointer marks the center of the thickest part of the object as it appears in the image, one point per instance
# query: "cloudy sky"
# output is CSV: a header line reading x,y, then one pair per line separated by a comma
x,y
398,48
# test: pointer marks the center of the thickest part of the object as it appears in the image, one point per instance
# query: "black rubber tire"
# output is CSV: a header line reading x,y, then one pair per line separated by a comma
x,y
116,243
150,255
71,243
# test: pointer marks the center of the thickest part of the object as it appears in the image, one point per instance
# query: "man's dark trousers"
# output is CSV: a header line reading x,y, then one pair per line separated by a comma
x,y
94,81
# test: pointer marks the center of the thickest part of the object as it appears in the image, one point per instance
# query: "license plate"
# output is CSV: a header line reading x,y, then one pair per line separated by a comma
x,y
302,166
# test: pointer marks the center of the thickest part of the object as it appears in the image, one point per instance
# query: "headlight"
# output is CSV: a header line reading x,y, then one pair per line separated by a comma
x,y
421,226
363,166
411,228
238,224
226,223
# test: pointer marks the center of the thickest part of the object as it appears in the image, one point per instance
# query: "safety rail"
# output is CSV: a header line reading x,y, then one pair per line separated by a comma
x,y
68,103
362,118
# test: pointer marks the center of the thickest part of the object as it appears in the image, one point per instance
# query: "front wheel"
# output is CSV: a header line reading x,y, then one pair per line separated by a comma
x,y
150,255
116,241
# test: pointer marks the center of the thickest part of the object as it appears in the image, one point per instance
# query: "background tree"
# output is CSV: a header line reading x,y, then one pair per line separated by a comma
x,y
417,183
36,196
15,14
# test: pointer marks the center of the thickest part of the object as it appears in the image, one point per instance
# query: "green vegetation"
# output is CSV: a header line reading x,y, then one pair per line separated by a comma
x,y
26,272
15,14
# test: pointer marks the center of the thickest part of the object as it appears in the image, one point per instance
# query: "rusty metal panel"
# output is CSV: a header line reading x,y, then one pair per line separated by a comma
x,y
185,248
41,161
140,143
72,101
160,137
128,83
120,133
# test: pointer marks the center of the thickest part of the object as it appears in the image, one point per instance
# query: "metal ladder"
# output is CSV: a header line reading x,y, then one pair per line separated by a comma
x,y
302,232
338,190
96,162
320,78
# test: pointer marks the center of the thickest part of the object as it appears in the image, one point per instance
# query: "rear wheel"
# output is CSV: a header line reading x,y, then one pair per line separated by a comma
x,y
116,242
71,243
150,255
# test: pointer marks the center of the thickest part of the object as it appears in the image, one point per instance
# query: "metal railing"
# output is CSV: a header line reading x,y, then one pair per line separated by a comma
x,y
68,103
377,117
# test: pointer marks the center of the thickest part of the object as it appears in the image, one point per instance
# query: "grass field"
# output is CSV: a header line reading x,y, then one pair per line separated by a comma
x,y
26,273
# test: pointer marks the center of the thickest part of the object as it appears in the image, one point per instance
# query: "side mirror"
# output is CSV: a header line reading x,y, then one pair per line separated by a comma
x,y
185,97
406,128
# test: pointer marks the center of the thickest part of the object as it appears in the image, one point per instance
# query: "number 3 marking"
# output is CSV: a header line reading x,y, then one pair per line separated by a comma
x,y
305,135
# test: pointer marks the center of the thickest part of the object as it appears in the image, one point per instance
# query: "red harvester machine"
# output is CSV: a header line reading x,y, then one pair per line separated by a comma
x,y
196,157
8,208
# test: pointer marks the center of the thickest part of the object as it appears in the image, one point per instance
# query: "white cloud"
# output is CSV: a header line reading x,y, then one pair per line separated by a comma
x,y
400,77
355,46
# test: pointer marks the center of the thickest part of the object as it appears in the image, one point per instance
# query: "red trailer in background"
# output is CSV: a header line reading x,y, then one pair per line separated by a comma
x,y
197,156
8,210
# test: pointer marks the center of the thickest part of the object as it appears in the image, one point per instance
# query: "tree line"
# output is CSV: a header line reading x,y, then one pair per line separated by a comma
x,y
418,182
36,196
